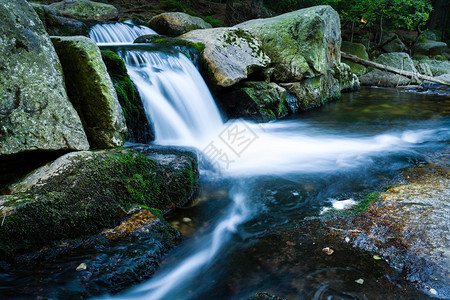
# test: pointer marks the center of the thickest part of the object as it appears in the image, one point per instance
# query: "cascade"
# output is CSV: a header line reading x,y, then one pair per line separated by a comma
x,y
115,33
175,97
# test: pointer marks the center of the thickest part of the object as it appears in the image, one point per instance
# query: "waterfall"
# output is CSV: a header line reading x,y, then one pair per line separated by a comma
x,y
114,33
175,97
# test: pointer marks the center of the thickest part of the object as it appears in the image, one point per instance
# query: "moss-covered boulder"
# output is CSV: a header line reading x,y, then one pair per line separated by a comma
x,y
176,23
256,100
230,54
55,24
91,91
86,10
300,44
35,112
397,60
358,50
83,192
139,128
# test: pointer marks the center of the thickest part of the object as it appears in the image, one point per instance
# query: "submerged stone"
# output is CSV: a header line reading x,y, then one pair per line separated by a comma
x,y
35,112
91,91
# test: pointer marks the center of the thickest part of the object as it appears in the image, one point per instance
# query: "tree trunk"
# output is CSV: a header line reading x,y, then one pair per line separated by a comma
x,y
372,64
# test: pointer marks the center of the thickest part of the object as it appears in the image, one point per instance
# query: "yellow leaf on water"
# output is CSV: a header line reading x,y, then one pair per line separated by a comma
x,y
376,257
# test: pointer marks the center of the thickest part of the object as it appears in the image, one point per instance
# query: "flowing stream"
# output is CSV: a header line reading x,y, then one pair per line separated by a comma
x,y
259,180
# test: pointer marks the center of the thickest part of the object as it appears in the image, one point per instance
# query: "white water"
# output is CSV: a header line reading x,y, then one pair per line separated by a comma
x,y
116,33
175,97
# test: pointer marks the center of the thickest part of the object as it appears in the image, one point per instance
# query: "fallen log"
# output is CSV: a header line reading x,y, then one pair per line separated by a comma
x,y
408,74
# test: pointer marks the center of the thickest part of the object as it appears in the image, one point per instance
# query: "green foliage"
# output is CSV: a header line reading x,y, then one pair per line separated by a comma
x,y
408,14
215,23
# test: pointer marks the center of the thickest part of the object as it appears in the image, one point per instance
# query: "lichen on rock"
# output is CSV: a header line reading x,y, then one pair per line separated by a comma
x,y
91,91
35,112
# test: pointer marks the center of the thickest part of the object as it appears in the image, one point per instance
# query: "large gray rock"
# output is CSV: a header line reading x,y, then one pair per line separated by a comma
x,y
176,23
301,44
35,113
86,10
91,91
231,54
397,60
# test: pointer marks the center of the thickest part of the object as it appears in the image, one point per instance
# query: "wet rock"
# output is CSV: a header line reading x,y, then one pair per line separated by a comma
x,y
104,263
35,112
348,81
139,128
176,23
256,100
230,54
398,60
358,50
408,227
86,10
91,91
84,192
314,91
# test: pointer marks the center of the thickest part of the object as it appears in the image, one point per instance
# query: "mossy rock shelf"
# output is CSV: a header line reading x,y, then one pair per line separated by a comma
x,y
84,192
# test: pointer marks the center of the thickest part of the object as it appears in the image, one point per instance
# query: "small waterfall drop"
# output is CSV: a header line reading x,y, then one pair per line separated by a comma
x,y
115,33
175,97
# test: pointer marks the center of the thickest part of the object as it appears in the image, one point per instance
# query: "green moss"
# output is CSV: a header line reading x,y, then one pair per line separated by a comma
x,y
168,41
139,129
93,194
